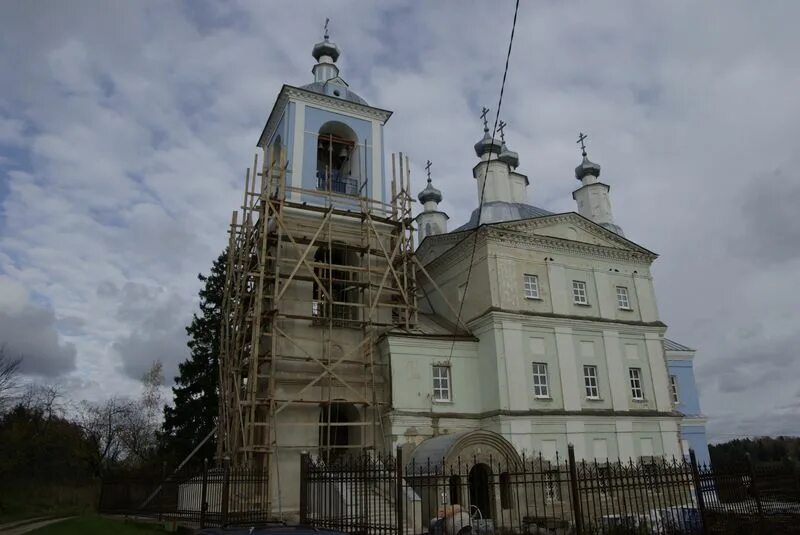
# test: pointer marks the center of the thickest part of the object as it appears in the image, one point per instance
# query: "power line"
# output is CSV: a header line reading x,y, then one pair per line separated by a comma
x,y
485,176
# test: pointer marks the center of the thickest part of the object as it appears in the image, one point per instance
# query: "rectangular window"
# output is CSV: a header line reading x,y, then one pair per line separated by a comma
x,y
531,287
579,293
540,386
673,389
636,383
590,382
622,298
441,383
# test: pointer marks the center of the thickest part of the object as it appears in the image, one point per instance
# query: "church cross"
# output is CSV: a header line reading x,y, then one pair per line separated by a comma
x,y
428,169
327,20
485,111
581,138
502,127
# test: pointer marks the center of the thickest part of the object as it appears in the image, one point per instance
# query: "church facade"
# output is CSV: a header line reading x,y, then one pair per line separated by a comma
x,y
530,330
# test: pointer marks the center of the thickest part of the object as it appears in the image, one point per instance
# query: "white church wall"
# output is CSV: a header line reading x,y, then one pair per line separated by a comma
x,y
412,375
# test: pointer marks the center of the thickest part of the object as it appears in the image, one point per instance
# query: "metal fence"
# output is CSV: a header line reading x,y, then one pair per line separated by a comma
x,y
212,497
382,495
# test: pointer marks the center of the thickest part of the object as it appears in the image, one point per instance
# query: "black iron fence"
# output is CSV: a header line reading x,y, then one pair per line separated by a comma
x,y
212,497
382,495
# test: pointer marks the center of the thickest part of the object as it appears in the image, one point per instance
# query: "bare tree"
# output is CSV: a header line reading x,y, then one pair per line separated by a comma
x,y
9,371
47,398
104,424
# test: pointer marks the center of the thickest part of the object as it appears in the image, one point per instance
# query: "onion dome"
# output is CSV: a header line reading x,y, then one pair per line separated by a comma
x,y
487,145
326,47
509,156
587,168
430,194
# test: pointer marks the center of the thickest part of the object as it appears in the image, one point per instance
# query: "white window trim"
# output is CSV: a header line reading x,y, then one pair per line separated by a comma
x,y
534,293
626,295
579,293
448,389
673,390
544,387
635,382
586,382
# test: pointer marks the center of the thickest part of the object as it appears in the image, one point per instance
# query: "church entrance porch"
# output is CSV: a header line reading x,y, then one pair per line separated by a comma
x,y
462,472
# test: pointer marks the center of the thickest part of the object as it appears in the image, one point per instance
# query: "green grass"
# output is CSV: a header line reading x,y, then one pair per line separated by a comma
x,y
23,499
95,525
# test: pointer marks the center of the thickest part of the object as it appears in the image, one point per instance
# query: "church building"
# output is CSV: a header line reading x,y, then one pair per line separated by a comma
x,y
519,331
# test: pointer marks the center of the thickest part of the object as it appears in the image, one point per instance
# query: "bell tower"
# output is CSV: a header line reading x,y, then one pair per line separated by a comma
x,y
319,269
332,137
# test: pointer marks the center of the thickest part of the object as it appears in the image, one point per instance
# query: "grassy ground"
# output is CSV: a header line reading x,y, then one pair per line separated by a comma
x,y
95,525
22,499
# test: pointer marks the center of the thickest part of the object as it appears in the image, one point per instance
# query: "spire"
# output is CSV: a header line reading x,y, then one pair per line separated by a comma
x,y
430,221
587,168
429,194
508,156
487,145
592,197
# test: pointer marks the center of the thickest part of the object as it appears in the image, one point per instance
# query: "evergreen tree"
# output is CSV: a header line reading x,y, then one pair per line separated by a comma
x,y
196,390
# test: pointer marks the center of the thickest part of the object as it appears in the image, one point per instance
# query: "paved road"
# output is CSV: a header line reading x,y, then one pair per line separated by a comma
x,y
19,528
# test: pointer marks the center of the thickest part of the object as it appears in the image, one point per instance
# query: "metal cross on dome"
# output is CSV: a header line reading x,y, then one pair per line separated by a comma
x,y
428,169
327,20
502,127
484,112
581,138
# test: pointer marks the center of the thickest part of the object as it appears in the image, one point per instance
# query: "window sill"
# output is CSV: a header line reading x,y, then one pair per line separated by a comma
x,y
528,298
626,309
581,304
635,400
542,398
443,401
594,399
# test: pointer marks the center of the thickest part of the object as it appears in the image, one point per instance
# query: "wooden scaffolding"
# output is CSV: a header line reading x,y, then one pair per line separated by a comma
x,y
314,278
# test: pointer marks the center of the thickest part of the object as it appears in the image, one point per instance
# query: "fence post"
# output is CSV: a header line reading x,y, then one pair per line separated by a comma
x,y
575,498
226,481
698,491
203,495
304,458
754,487
399,492
160,501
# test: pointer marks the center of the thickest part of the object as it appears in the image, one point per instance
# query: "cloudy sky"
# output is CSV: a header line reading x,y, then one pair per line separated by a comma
x,y
125,129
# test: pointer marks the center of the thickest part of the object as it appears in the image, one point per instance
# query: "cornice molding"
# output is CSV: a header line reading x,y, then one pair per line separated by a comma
x,y
312,97
537,412
497,315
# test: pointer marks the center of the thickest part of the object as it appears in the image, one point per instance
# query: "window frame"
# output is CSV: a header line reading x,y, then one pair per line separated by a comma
x,y
673,389
580,294
626,296
635,382
587,379
531,291
448,386
541,381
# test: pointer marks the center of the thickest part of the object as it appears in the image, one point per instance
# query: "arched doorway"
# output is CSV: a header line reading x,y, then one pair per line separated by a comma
x,y
480,489
336,436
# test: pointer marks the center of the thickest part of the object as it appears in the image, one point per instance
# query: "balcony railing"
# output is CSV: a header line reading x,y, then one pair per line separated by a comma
x,y
337,183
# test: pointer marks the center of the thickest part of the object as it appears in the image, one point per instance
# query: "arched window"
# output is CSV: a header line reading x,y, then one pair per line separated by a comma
x,y
340,159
